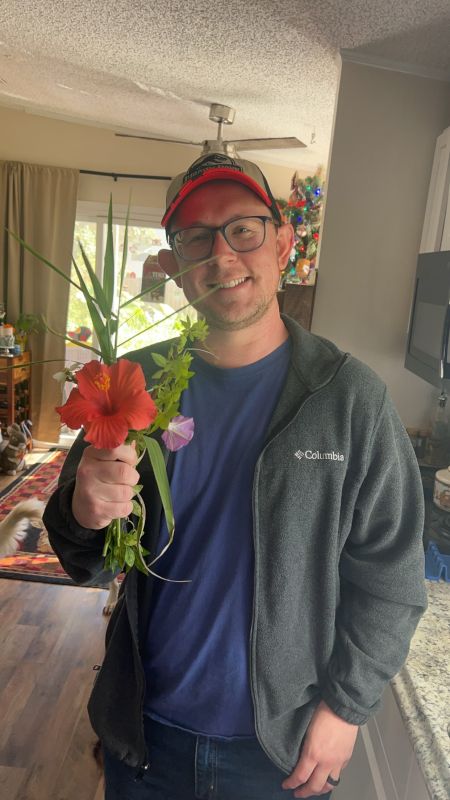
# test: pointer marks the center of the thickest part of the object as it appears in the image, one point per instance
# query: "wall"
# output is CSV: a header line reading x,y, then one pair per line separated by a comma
x,y
385,129
43,140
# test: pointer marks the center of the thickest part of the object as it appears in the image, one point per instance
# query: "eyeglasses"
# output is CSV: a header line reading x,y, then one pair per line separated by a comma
x,y
242,235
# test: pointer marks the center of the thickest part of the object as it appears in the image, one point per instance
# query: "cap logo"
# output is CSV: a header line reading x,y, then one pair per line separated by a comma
x,y
211,161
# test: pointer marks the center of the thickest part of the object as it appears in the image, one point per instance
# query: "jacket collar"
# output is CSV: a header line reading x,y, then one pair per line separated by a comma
x,y
314,362
314,359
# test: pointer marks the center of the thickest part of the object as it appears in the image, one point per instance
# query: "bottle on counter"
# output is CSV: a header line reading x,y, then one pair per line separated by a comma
x,y
421,442
413,433
441,493
438,443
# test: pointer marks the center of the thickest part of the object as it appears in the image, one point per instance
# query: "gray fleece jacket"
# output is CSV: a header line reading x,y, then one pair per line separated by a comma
x,y
339,564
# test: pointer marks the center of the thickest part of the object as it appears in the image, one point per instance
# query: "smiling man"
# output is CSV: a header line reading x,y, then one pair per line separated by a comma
x,y
243,271
305,572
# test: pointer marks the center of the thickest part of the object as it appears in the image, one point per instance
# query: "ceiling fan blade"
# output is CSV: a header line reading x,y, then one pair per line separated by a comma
x,y
280,143
156,139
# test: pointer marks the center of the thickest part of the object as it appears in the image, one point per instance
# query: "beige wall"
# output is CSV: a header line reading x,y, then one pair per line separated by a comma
x,y
386,125
43,140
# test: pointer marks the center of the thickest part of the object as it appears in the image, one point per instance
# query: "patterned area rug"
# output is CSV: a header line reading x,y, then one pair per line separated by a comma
x,y
35,560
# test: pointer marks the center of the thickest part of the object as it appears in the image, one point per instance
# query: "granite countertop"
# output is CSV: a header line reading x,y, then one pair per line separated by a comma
x,y
422,690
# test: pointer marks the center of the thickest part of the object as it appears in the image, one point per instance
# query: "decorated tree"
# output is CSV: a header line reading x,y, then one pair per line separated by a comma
x,y
303,210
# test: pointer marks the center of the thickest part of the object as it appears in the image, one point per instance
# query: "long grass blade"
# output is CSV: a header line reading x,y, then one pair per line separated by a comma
x,y
159,470
99,326
163,282
79,344
33,363
178,310
41,258
122,272
108,268
96,285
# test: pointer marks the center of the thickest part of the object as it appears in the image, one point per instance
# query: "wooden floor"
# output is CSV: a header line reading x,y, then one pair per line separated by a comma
x,y
51,636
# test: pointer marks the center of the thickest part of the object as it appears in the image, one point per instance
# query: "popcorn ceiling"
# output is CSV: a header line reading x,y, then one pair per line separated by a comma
x,y
154,67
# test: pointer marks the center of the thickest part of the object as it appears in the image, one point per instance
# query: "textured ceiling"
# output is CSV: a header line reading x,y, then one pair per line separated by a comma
x,y
154,67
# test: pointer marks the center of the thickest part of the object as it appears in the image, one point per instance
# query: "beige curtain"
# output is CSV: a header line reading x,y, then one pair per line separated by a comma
x,y
38,203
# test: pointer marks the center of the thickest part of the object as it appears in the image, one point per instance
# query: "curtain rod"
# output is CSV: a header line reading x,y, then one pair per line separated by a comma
x,y
116,175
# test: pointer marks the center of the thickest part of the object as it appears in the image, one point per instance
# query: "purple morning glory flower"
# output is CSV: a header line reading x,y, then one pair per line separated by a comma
x,y
179,433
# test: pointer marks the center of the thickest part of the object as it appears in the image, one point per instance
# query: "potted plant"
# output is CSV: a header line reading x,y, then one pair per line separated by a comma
x,y
25,325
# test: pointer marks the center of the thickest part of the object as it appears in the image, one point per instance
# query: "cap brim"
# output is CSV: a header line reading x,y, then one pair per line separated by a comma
x,y
218,174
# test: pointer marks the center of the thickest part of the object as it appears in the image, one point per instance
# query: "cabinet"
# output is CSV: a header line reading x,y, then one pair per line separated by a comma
x,y
15,389
297,301
384,765
436,226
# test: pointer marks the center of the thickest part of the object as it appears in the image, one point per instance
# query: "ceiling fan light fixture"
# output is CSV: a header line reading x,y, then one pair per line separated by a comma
x,y
222,114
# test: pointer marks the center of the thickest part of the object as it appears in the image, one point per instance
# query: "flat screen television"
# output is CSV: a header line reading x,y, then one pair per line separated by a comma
x,y
427,351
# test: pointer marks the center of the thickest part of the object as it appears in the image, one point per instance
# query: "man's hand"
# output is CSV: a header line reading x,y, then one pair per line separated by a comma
x,y
327,749
104,486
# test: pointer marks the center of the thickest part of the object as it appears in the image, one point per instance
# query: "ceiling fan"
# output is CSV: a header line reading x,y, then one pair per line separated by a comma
x,y
224,115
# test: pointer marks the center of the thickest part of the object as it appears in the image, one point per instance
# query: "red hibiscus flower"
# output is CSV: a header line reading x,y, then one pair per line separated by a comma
x,y
108,402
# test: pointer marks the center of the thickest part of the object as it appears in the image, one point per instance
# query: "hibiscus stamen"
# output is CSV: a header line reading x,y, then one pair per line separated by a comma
x,y
103,382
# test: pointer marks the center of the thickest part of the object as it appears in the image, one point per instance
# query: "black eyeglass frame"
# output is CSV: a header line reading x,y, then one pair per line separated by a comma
x,y
221,228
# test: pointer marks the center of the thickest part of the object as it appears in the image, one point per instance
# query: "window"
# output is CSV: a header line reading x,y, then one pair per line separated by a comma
x,y
142,272
145,239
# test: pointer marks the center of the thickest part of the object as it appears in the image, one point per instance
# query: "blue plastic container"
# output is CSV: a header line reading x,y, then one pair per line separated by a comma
x,y
436,564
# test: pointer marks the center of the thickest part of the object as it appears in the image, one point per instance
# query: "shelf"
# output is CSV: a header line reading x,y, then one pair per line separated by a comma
x,y
15,389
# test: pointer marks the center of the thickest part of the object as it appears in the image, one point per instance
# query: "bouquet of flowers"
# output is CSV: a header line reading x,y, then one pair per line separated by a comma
x,y
110,400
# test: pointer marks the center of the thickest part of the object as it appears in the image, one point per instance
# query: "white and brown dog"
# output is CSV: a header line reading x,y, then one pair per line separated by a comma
x,y
111,600
15,525
13,530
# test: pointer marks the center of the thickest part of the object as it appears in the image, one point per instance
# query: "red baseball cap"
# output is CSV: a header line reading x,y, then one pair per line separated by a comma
x,y
218,167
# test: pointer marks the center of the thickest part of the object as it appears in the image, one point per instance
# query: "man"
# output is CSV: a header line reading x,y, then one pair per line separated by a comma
x,y
299,522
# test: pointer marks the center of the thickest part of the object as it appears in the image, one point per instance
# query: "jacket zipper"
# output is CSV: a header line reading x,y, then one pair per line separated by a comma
x,y
252,628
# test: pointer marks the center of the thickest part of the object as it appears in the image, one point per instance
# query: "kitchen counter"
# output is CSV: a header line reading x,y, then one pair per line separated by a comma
x,y
422,691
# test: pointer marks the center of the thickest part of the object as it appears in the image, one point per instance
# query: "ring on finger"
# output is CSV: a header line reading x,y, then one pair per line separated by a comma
x,y
333,781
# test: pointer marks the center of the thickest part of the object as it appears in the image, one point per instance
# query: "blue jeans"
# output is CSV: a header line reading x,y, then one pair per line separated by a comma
x,y
184,766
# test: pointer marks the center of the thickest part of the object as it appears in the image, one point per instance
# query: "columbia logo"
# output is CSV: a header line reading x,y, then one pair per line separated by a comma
x,y
316,455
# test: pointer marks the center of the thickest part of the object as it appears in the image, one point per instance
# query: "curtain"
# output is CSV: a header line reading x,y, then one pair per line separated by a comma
x,y
38,203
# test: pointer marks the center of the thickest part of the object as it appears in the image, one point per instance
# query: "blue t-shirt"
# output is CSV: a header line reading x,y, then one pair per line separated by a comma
x,y
196,656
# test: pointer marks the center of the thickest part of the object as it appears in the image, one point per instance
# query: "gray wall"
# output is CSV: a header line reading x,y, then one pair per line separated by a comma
x,y
385,130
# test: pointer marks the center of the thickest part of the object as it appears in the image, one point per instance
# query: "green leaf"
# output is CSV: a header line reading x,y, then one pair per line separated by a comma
x,y
136,508
159,359
96,285
159,470
129,556
130,538
108,264
139,562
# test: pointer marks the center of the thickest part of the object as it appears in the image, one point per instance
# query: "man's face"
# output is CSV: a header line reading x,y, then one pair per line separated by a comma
x,y
246,283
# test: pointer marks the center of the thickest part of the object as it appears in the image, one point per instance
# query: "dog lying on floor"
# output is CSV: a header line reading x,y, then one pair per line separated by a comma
x,y
13,530
15,525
